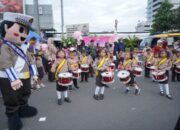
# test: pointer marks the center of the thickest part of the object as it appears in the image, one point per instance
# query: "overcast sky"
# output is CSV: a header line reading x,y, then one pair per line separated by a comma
x,y
100,14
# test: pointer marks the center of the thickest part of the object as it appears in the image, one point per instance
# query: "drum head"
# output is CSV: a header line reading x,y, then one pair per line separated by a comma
x,y
123,74
65,75
106,74
85,66
77,71
137,69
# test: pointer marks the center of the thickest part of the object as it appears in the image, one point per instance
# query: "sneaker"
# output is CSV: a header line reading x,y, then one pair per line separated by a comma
x,y
42,85
60,102
161,93
96,97
101,97
169,96
67,100
127,91
38,86
137,91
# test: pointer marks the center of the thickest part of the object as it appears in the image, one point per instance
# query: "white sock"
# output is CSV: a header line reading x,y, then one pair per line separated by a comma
x,y
102,90
136,87
166,89
127,88
59,95
97,90
66,94
161,87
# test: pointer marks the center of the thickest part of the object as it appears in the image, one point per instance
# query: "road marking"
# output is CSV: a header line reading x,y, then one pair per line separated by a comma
x,y
41,119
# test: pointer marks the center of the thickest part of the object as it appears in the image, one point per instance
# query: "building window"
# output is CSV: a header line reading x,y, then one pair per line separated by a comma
x,y
157,4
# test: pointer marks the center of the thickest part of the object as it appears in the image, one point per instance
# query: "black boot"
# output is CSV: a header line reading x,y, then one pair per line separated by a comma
x,y
60,102
169,97
67,100
96,97
27,111
101,97
14,122
127,91
70,87
76,87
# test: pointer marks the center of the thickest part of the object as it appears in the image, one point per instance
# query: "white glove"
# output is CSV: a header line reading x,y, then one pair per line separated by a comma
x,y
16,84
35,78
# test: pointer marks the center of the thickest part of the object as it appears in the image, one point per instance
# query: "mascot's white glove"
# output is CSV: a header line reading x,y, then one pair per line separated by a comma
x,y
35,78
16,84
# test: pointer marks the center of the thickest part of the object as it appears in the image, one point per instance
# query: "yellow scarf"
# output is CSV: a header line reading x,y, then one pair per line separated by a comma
x,y
100,65
59,68
177,61
126,62
150,58
84,59
162,62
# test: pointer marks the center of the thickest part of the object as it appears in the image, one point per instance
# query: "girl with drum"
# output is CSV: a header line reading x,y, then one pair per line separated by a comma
x,y
100,65
58,67
163,66
176,66
127,65
73,65
84,63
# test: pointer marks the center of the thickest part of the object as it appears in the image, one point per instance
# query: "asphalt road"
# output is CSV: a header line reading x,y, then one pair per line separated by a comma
x,y
118,111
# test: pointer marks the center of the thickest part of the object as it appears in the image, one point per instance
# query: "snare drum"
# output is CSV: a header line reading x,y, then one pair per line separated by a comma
x,y
152,68
124,76
148,65
137,71
65,79
85,68
112,66
177,70
107,77
159,76
76,74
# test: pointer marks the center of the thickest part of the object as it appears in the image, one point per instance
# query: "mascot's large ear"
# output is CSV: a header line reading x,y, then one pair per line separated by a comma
x,y
4,26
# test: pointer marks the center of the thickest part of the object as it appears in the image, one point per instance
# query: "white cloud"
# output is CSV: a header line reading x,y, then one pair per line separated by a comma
x,y
100,14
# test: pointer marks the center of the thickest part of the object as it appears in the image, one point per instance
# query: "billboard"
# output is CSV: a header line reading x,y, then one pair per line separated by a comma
x,y
84,28
11,6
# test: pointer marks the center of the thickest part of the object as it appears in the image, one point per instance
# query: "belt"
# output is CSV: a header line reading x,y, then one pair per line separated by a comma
x,y
24,75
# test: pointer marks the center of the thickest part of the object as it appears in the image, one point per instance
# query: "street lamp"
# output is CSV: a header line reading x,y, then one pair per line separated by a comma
x,y
62,18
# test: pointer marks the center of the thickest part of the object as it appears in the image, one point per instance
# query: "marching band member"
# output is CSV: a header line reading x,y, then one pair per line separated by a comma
x,y
84,60
59,66
127,64
73,65
164,64
176,62
154,62
148,60
50,55
100,65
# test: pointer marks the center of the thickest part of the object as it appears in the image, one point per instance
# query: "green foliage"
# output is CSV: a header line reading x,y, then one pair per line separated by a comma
x,y
164,19
69,41
131,42
177,18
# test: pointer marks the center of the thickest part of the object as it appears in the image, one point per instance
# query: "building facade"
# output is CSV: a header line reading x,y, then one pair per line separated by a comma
x,y
45,16
143,26
153,5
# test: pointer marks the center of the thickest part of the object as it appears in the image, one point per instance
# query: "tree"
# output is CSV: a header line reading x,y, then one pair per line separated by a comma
x,y
131,42
177,19
164,18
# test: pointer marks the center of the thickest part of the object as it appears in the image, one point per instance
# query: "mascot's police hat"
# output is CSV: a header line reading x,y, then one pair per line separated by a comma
x,y
22,19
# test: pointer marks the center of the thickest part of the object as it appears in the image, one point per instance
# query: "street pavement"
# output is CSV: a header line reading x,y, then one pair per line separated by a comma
x,y
118,111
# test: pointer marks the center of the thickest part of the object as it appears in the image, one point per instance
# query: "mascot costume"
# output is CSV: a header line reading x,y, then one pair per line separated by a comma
x,y
16,68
